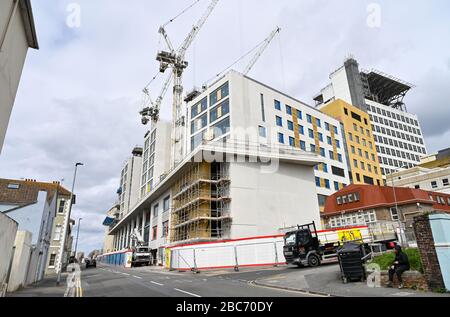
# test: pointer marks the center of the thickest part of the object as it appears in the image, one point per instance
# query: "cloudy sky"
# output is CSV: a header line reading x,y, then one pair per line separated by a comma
x,y
80,93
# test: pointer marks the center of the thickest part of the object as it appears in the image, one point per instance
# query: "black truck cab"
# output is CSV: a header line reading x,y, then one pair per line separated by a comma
x,y
302,247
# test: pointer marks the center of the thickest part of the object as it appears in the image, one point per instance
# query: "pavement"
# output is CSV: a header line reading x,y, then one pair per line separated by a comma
x,y
326,280
109,281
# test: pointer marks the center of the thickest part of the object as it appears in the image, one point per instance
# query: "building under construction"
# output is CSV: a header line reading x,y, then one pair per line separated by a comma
x,y
201,204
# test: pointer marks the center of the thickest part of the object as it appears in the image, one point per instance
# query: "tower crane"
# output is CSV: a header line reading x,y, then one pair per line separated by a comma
x,y
263,47
175,59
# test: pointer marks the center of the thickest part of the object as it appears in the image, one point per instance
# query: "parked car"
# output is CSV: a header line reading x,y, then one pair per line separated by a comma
x,y
90,262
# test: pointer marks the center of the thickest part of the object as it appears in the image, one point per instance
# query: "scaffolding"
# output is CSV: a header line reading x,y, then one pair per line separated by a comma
x,y
201,204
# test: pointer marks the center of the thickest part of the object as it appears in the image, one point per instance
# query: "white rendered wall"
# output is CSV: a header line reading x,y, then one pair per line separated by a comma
x,y
12,59
264,203
8,230
20,263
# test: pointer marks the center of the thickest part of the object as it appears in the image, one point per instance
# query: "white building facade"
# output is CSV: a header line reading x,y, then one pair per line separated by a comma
x,y
398,134
130,182
17,35
253,112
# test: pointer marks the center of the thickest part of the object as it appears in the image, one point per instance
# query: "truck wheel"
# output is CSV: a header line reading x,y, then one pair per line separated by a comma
x,y
313,260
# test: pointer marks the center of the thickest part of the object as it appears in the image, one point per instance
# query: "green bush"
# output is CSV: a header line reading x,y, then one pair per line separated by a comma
x,y
387,259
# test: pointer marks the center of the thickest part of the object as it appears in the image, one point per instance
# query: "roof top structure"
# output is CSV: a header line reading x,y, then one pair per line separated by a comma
x,y
385,89
24,192
371,197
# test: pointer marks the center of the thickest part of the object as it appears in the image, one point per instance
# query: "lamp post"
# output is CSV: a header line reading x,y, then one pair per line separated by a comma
x,y
396,205
66,224
78,233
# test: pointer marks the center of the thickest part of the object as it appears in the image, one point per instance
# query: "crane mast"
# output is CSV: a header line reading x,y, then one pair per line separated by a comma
x,y
176,61
264,46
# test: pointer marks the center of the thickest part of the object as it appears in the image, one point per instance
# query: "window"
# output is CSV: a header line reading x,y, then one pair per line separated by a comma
x,y
222,127
320,137
288,110
318,182
291,125
291,141
299,115
394,214
311,133
62,204
220,111
51,262
303,145
339,201
329,140
322,152
325,168
154,233
277,105
301,130
319,123
219,94
281,138
445,182
263,112
155,211
340,158
13,186
279,121
327,184
338,144
331,155
57,236
336,186
200,123
309,118
199,107
165,229
327,126
313,148
434,184
262,132
166,204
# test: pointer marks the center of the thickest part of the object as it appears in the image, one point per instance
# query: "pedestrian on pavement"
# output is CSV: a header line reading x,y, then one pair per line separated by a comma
x,y
400,265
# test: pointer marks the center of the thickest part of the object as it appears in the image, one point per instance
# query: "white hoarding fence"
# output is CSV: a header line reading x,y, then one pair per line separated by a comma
x,y
259,251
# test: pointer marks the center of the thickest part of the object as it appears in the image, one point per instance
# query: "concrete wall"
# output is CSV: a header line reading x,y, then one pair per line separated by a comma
x,y
264,203
8,230
21,261
12,59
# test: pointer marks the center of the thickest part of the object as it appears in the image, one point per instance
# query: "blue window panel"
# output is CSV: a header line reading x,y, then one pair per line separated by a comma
x,y
338,144
336,131
325,168
303,145
316,168
311,133
277,105
291,125
331,155
262,132
329,140
320,137
309,118
301,130
288,110
327,184
340,158
281,138
319,123
322,152
313,148
327,126
299,115
317,181
336,186
279,121
291,141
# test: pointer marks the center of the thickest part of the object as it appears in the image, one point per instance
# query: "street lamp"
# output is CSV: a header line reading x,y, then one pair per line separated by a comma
x,y
78,233
67,221
396,204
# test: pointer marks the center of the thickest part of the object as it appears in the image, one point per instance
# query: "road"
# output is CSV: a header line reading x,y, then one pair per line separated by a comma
x,y
106,281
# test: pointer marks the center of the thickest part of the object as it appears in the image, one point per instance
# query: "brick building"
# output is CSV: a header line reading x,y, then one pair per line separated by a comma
x,y
374,206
